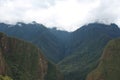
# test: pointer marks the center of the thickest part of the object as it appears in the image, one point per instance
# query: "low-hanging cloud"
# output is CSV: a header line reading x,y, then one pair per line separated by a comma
x,y
68,14
107,12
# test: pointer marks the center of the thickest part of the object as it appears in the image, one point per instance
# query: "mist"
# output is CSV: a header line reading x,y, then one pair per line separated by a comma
x,y
64,14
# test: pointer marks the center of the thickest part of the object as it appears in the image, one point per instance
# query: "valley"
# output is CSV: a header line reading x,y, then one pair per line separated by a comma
x,y
76,53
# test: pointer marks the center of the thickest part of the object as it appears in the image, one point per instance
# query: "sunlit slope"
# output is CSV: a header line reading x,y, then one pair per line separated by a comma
x,y
109,66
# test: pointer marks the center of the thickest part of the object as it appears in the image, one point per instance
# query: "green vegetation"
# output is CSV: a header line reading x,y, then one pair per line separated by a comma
x,y
51,72
86,48
109,66
5,78
76,53
39,35
23,61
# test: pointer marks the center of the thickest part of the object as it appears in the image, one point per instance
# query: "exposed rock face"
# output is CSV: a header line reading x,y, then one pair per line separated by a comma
x,y
109,66
2,64
2,61
23,61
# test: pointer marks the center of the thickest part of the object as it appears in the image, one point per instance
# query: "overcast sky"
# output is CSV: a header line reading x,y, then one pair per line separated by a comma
x,y
65,14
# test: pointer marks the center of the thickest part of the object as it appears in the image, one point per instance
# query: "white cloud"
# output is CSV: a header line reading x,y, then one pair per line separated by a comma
x,y
108,11
68,14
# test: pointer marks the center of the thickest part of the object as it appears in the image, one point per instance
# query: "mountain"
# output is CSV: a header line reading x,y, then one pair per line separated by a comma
x,y
21,60
87,44
64,38
76,53
109,66
39,35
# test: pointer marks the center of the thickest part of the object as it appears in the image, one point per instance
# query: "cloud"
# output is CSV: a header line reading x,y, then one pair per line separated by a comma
x,y
68,14
107,12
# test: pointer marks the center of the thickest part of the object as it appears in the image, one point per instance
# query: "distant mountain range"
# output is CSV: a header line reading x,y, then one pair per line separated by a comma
x,y
37,34
75,53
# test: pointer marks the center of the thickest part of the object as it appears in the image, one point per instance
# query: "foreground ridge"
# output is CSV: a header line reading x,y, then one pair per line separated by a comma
x,y
109,66
21,60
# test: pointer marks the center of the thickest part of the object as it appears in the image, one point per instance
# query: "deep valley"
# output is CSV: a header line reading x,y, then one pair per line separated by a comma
x,y
38,53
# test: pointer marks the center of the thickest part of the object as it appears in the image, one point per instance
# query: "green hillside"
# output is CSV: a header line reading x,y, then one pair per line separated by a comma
x,y
109,66
76,53
23,61
37,34
86,47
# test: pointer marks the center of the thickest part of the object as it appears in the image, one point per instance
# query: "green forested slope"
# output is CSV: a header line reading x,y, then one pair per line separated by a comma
x,y
109,66
37,34
76,53
87,45
23,61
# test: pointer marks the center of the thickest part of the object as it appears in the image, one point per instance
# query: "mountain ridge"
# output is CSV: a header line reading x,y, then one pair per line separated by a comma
x,y
108,68
23,61
76,53
88,44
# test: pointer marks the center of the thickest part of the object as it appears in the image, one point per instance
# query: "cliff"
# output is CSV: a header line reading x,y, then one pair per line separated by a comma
x,y
23,61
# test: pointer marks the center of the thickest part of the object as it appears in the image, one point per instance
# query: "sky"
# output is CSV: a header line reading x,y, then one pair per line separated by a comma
x,y
64,14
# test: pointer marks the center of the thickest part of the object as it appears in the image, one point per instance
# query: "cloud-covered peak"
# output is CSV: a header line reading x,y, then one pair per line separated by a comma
x,y
68,14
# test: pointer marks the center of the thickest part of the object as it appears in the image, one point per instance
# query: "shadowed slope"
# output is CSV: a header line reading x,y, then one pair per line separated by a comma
x,y
87,44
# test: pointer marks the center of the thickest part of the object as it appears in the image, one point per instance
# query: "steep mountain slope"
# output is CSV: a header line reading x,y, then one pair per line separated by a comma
x,y
76,53
37,34
23,61
86,47
64,38
109,66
